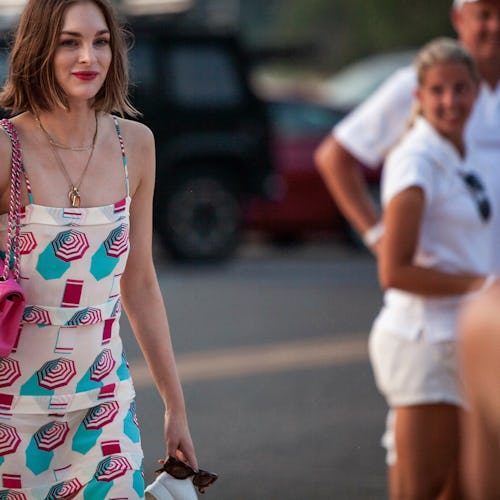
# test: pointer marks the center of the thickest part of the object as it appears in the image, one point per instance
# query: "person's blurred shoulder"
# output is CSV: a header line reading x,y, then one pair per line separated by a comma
x,y
371,130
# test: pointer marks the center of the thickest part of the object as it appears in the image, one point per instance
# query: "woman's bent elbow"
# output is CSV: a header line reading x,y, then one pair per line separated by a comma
x,y
389,278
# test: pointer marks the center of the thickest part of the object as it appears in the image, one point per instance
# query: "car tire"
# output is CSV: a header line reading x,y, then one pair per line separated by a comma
x,y
201,218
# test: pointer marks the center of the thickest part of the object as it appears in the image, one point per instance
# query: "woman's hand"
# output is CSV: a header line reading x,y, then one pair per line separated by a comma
x,y
178,438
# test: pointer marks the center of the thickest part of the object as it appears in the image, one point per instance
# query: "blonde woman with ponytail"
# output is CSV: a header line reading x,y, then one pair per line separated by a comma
x,y
435,253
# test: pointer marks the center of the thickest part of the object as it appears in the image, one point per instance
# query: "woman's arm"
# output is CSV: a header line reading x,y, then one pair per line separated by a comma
x,y
142,298
402,221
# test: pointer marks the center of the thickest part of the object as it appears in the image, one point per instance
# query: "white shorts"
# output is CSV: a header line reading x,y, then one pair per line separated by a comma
x,y
413,372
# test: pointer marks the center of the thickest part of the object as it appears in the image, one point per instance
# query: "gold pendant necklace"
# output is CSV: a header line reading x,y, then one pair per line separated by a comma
x,y
74,192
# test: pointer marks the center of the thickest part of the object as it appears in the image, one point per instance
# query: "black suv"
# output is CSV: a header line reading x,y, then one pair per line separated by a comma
x,y
212,136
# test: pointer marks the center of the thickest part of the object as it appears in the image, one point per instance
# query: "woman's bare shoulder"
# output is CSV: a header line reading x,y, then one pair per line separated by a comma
x,y
135,132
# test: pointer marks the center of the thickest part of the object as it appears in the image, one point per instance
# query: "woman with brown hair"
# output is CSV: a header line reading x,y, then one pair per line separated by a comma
x,y
68,407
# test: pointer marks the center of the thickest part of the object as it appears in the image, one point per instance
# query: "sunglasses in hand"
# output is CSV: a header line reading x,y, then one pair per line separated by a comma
x,y
181,470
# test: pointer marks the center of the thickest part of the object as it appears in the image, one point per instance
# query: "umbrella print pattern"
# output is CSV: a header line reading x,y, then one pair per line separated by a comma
x,y
65,490
87,316
9,371
36,315
66,247
27,243
111,468
12,495
40,451
51,435
131,425
102,366
9,439
70,245
56,373
90,429
116,243
101,415
108,254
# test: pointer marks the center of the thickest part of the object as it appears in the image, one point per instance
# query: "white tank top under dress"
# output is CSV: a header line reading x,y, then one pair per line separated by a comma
x,y
68,426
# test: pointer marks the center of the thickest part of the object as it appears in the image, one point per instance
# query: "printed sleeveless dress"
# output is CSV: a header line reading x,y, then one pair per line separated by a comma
x,y
68,426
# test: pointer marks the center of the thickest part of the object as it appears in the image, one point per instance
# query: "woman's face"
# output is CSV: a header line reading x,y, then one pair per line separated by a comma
x,y
83,54
446,97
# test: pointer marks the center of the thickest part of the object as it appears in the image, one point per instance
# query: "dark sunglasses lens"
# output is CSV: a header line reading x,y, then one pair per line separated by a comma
x,y
178,469
478,191
484,209
473,181
204,478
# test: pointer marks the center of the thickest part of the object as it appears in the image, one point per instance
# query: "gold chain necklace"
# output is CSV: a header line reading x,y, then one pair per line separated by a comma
x,y
56,144
74,192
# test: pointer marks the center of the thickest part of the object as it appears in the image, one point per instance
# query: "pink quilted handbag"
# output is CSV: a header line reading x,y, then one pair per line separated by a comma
x,y
12,298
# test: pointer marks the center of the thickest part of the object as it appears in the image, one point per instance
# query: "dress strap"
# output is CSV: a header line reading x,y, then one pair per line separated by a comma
x,y
124,156
14,136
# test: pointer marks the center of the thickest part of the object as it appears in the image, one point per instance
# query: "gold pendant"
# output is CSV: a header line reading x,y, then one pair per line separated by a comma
x,y
74,197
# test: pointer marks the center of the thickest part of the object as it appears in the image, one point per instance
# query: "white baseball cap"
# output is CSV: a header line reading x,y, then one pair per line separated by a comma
x,y
458,4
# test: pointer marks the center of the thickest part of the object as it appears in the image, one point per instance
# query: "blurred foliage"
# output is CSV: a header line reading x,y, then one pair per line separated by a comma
x,y
343,30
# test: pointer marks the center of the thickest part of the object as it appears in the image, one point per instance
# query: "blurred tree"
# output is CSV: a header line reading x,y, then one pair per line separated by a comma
x,y
347,29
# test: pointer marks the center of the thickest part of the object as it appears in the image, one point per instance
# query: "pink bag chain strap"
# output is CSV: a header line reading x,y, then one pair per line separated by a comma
x,y
14,225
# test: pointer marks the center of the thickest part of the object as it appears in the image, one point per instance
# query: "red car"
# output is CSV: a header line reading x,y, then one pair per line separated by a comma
x,y
302,207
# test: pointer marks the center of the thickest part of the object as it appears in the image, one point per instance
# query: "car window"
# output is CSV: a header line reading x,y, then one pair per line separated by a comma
x,y
298,119
202,77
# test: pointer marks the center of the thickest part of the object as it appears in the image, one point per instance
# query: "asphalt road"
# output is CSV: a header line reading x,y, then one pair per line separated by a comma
x,y
272,351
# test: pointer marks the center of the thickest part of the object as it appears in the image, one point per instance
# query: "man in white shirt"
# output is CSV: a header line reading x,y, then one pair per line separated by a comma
x,y
371,130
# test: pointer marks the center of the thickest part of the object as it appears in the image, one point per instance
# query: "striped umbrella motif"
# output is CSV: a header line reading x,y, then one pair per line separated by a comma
x,y
56,373
87,316
102,366
112,467
27,243
9,371
12,495
9,439
100,415
117,241
36,315
65,490
70,245
51,435
133,411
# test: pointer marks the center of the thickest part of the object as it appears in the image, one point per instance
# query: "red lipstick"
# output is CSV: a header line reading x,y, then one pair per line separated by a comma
x,y
85,75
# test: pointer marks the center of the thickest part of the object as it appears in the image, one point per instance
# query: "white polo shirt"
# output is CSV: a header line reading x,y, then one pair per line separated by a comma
x,y
453,237
372,129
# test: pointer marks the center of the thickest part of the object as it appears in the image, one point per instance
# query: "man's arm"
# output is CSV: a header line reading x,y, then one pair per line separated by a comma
x,y
343,177
365,135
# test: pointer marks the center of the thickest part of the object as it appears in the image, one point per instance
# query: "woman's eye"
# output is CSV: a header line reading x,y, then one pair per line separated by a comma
x,y
437,90
68,43
102,41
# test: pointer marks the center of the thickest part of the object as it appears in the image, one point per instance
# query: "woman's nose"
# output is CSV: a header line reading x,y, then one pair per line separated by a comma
x,y
86,54
450,98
